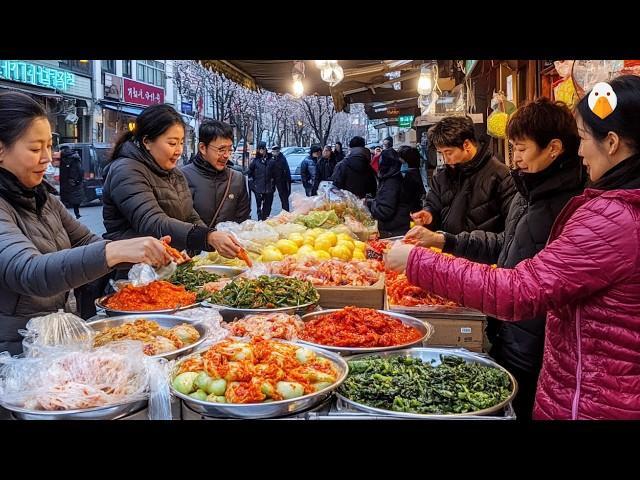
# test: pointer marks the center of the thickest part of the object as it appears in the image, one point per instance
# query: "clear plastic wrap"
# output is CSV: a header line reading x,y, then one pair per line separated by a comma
x,y
211,319
65,379
252,235
142,274
56,329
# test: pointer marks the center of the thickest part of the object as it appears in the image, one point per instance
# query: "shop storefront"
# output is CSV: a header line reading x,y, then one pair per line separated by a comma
x,y
65,95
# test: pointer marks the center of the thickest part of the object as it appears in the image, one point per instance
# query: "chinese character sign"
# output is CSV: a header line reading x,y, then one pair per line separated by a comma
x,y
142,93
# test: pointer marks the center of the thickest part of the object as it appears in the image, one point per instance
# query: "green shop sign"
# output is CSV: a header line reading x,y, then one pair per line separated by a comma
x,y
39,75
405,121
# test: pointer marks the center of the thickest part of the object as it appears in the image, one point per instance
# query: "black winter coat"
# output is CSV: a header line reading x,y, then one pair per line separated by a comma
x,y
208,186
71,178
141,199
540,198
391,205
414,189
308,172
324,170
355,174
282,172
262,174
471,196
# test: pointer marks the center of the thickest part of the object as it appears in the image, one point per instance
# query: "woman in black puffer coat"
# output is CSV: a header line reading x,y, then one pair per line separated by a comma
x,y
71,178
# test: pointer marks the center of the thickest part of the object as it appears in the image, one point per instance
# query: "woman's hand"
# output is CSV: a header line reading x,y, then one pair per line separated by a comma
x,y
396,258
425,237
422,218
224,243
137,250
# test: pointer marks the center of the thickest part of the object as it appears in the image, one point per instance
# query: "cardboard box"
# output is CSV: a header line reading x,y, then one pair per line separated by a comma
x,y
457,332
368,297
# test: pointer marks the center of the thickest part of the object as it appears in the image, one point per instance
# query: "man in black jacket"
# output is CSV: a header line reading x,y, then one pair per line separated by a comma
x,y
215,187
283,176
474,189
262,180
354,173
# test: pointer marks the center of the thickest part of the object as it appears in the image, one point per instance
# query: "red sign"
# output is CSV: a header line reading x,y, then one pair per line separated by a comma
x,y
142,93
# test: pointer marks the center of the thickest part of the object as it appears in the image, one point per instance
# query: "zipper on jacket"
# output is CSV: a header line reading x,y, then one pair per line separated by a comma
x,y
576,395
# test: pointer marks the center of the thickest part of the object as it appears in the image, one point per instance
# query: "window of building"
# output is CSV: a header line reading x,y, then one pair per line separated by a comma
x,y
109,66
77,66
151,71
126,68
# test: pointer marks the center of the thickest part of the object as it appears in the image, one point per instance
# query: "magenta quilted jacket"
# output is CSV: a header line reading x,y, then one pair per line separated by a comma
x,y
588,280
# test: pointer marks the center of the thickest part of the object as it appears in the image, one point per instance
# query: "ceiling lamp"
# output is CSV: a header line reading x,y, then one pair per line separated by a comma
x,y
426,80
298,75
332,73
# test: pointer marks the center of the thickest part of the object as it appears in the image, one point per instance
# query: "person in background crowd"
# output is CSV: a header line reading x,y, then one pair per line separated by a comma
x,y
71,179
391,207
262,180
587,277
474,190
375,159
44,251
219,192
354,173
338,152
283,176
548,173
145,194
309,170
412,184
325,167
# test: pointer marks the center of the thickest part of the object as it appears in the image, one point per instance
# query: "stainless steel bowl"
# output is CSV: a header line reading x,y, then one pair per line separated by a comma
x,y
230,313
425,328
222,270
427,355
107,412
279,408
101,303
166,321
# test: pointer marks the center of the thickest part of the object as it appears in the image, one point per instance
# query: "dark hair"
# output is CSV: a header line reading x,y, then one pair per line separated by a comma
x,y
315,148
543,120
339,143
452,132
411,155
262,145
151,123
389,140
211,129
625,119
17,111
356,142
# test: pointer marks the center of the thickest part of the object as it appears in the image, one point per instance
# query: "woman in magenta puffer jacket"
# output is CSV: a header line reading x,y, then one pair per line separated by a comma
x,y
587,277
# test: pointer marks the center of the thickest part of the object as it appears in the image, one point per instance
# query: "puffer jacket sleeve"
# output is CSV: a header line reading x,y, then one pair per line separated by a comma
x,y
506,192
26,271
593,252
385,205
133,194
432,203
244,204
478,246
338,175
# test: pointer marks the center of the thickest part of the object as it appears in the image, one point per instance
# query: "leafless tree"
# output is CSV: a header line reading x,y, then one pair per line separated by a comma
x,y
319,112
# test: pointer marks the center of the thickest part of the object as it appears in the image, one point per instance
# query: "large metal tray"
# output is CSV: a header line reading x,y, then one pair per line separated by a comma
x,y
278,408
166,321
107,412
438,311
425,328
230,313
101,304
222,270
426,355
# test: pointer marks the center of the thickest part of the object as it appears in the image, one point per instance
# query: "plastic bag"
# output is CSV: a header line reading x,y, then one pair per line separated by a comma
x,y
252,235
211,319
142,274
67,380
56,329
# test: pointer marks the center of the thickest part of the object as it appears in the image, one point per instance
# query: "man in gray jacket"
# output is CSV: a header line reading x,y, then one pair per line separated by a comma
x,y
216,188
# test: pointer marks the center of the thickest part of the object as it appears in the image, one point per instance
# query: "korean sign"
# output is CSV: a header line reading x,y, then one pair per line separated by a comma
x,y
142,93
39,75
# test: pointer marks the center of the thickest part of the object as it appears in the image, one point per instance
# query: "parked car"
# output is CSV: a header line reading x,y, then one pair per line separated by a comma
x,y
294,160
94,157
287,150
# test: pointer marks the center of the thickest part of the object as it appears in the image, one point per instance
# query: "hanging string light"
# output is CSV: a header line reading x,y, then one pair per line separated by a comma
x,y
298,75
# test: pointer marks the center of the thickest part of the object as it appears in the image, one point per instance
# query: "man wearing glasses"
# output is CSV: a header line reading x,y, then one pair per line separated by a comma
x,y
216,188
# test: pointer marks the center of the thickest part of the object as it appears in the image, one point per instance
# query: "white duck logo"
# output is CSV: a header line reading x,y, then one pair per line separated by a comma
x,y
602,100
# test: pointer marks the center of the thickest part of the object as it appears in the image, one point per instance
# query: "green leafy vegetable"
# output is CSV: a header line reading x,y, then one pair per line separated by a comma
x,y
266,292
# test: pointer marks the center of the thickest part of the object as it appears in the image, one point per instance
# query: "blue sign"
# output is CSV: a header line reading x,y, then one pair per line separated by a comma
x,y
187,107
39,75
